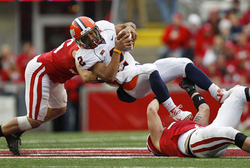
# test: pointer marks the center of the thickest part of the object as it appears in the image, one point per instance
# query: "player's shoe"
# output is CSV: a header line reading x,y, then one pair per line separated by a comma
x,y
187,85
177,114
13,141
222,94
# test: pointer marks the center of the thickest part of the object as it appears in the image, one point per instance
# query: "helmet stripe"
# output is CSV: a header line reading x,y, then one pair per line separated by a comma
x,y
80,24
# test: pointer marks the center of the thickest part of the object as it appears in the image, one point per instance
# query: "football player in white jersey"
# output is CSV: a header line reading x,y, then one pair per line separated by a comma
x,y
97,47
97,43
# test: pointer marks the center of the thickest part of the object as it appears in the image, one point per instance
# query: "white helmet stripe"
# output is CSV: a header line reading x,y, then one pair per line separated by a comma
x,y
80,24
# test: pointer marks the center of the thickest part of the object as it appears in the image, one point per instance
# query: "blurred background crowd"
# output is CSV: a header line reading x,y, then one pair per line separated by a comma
x,y
218,43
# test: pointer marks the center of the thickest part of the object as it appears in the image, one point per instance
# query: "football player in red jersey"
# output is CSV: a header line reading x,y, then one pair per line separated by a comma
x,y
196,138
45,95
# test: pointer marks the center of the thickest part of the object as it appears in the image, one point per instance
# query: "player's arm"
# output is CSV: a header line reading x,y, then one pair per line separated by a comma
x,y
131,27
203,114
154,123
104,74
108,73
87,76
202,117
99,71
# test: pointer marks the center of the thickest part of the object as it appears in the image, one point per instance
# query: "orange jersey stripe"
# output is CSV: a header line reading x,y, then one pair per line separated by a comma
x,y
130,85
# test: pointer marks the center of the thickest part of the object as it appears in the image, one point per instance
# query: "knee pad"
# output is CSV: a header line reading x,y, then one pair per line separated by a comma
x,y
23,123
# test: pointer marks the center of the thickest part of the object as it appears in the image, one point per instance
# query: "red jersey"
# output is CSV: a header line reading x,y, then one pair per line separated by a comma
x,y
182,41
22,61
170,136
204,40
59,63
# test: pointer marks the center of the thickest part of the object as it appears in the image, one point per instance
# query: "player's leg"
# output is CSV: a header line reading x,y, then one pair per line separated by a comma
x,y
57,103
13,129
171,68
221,130
149,80
161,91
13,125
54,113
212,141
230,111
57,107
34,82
199,78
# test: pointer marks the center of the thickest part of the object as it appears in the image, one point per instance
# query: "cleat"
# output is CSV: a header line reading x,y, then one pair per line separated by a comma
x,y
187,85
177,114
13,141
222,94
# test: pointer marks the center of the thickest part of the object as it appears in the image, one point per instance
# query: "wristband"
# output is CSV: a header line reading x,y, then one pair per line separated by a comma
x,y
118,51
198,100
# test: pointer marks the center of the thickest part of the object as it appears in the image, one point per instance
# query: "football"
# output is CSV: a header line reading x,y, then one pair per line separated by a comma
x,y
123,33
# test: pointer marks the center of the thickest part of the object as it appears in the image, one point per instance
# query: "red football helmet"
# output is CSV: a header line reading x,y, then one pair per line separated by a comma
x,y
80,27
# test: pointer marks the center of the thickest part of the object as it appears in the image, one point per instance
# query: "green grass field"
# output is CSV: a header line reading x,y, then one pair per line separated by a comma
x,y
133,139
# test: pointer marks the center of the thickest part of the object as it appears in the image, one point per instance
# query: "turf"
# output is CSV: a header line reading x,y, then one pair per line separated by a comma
x,y
104,140
126,162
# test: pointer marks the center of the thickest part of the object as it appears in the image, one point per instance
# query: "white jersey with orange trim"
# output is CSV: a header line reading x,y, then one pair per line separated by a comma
x,y
103,52
133,77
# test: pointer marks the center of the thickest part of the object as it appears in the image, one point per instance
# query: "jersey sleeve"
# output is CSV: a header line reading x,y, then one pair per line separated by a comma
x,y
105,25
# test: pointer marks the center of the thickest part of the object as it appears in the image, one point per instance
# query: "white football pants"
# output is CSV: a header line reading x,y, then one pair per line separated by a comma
x,y
213,140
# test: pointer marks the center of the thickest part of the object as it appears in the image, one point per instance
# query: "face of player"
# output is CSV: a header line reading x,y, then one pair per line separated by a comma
x,y
89,37
91,40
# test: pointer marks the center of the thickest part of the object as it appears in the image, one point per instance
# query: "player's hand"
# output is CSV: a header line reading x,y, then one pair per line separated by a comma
x,y
123,40
132,30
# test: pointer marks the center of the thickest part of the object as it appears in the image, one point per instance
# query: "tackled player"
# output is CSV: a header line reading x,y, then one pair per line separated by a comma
x,y
134,80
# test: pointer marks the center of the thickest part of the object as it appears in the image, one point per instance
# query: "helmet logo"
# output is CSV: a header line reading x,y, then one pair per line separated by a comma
x,y
72,32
